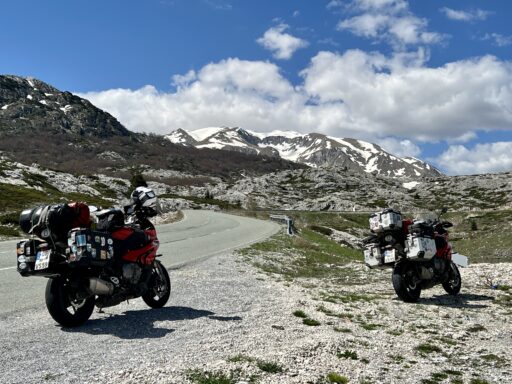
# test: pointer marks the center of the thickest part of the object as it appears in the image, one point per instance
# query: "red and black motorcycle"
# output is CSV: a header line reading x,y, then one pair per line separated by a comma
x,y
418,252
89,263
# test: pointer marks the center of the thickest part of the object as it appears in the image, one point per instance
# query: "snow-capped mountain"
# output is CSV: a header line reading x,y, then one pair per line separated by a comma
x,y
313,149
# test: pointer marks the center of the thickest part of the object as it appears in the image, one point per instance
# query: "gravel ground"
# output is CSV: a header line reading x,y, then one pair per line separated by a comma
x,y
226,317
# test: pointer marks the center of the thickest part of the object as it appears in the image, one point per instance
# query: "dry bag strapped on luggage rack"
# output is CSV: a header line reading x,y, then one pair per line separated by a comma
x,y
53,222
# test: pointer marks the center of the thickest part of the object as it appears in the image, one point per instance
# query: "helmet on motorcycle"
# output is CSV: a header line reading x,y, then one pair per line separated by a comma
x,y
144,200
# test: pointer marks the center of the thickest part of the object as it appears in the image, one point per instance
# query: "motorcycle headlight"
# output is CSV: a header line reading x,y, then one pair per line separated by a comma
x,y
389,238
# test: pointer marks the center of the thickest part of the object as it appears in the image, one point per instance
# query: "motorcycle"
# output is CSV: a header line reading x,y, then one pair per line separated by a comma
x,y
417,251
87,266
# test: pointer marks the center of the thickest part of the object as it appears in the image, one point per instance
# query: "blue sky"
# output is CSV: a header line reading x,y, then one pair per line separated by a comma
x,y
432,79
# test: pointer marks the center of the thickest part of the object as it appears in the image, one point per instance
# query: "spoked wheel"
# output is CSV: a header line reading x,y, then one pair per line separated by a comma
x,y
159,287
405,282
64,307
454,282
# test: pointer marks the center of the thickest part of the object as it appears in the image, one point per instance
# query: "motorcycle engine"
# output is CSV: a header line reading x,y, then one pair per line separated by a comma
x,y
132,273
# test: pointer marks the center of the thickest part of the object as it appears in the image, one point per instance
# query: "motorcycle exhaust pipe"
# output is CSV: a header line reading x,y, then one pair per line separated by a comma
x,y
100,287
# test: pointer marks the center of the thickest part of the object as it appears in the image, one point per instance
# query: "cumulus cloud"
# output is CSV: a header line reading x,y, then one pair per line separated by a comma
x,y
483,158
354,94
382,94
460,15
387,20
281,44
402,148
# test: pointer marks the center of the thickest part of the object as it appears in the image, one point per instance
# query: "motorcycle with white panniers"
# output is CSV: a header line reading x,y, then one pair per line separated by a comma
x,y
417,251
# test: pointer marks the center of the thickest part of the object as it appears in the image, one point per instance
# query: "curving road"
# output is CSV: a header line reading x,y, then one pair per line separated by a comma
x,y
199,235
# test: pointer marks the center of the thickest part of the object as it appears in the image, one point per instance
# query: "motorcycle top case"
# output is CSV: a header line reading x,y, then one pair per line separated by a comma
x,y
90,247
386,220
421,248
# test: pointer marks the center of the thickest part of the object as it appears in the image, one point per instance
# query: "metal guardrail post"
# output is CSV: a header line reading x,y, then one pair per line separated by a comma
x,y
290,229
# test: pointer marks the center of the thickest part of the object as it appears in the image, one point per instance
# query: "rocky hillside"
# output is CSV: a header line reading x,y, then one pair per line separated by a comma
x,y
327,189
29,105
58,130
313,149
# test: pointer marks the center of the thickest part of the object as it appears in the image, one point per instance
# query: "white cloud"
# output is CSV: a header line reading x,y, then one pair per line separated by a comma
x,y
283,45
355,94
498,39
388,20
483,158
409,100
460,15
399,147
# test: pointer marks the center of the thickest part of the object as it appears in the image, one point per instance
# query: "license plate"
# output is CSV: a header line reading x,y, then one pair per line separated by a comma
x,y
42,259
389,256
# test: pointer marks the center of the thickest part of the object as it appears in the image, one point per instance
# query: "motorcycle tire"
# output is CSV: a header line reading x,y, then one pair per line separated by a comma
x,y
453,284
159,288
403,283
63,308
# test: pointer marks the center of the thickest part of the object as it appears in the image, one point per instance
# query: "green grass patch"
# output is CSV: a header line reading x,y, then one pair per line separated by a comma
x,y
310,322
477,328
347,354
426,348
205,377
9,231
269,366
479,381
240,358
337,378
300,314
370,326
307,255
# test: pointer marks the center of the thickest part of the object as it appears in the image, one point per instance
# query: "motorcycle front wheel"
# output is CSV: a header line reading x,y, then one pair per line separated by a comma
x,y
66,309
405,283
453,284
159,287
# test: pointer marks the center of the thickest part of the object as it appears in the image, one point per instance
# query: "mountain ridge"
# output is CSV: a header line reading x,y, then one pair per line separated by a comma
x,y
312,149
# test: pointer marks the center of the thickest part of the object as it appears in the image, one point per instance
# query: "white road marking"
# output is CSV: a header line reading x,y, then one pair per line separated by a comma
x,y
5,269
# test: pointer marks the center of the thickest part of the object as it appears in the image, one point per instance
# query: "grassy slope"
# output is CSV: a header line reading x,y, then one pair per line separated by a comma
x,y
311,254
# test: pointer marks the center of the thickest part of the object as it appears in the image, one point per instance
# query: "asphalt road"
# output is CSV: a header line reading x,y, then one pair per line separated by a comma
x,y
199,235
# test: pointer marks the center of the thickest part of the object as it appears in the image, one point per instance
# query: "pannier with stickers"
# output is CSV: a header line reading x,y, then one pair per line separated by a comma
x,y
89,247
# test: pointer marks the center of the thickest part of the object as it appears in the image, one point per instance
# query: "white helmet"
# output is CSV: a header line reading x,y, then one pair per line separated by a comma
x,y
144,199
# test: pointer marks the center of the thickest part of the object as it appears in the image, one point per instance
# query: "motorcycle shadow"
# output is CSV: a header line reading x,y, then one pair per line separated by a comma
x,y
140,324
463,300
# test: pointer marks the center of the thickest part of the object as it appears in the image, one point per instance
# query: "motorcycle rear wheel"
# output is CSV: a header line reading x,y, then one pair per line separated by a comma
x,y
160,287
63,307
453,284
404,283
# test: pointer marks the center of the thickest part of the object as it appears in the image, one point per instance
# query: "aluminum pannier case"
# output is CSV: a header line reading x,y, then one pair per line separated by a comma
x,y
385,220
420,247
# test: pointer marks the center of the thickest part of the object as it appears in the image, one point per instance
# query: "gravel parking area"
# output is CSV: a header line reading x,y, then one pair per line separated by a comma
x,y
227,320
